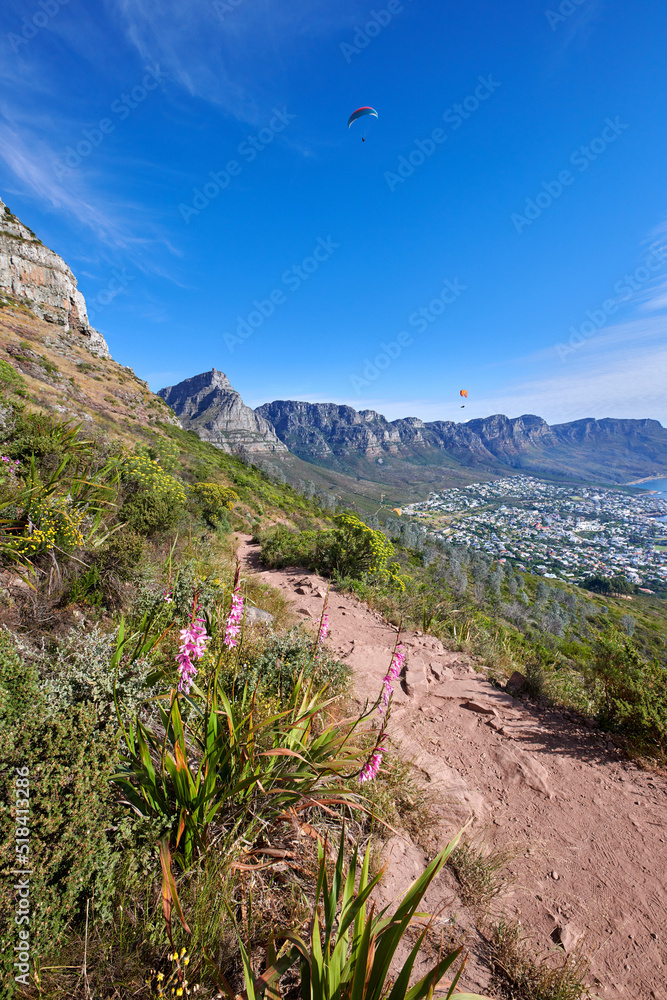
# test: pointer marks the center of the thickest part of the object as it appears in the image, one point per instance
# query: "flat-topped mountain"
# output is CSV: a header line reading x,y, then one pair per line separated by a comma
x,y
209,405
608,450
36,277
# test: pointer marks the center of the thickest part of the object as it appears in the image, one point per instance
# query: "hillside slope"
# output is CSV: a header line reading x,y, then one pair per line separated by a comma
x,y
59,373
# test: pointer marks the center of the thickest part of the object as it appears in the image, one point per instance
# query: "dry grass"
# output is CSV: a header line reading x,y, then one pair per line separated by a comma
x,y
64,373
481,874
519,975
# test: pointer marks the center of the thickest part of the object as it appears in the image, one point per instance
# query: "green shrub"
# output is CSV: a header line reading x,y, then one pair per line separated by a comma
x,y
212,502
275,670
10,379
282,547
351,549
123,552
70,763
154,500
631,693
80,672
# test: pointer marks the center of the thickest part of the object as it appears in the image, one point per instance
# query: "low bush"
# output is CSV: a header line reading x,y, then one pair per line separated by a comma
x,y
480,873
631,693
123,552
274,670
10,379
212,502
69,762
350,549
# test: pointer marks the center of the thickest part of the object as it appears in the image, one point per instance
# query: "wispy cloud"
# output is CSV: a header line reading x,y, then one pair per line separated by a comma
x,y
235,60
123,231
622,374
31,166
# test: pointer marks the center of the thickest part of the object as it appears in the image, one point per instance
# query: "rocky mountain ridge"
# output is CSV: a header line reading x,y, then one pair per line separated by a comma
x,y
208,405
36,277
608,450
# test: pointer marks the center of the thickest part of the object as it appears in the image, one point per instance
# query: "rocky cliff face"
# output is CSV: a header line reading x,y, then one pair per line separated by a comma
x,y
35,276
208,405
605,450
326,431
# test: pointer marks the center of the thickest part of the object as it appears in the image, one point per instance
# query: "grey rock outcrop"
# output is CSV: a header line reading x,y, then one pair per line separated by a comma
x,y
210,406
35,276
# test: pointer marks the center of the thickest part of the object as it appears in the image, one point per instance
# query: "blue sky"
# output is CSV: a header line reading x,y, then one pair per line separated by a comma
x,y
502,229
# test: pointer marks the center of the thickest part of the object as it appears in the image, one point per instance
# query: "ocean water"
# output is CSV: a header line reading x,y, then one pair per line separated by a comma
x,y
660,487
655,484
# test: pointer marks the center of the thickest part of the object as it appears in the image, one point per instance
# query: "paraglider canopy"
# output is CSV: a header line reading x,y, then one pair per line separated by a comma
x,y
361,113
464,393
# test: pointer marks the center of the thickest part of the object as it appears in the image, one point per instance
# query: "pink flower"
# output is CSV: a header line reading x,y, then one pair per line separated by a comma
x,y
371,768
325,628
394,672
193,647
234,621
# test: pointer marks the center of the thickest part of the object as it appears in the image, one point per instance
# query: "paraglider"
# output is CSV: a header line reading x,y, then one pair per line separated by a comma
x,y
464,394
361,113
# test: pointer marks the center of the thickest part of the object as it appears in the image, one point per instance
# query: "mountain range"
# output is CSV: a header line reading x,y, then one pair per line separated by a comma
x,y
364,444
357,454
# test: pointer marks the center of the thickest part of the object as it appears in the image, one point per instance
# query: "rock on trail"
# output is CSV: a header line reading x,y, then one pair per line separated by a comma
x,y
554,792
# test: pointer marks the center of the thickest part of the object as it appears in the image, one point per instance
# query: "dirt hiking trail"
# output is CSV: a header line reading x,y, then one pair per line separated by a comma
x,y
586,826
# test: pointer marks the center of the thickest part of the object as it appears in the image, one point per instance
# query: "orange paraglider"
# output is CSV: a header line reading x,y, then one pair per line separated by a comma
x,y
464,393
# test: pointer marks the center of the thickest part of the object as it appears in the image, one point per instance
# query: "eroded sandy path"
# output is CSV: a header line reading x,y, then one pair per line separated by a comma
x,y
587,826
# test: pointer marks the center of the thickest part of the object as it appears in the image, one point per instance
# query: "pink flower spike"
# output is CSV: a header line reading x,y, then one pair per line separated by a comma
x,y
193,647
370,771
325,628
234,620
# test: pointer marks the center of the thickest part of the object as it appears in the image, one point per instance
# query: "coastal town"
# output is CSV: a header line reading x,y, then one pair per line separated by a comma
x,y
560,531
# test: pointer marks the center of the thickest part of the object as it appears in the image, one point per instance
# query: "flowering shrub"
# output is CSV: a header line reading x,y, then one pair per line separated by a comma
x,y
53,521
154,499
212,501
